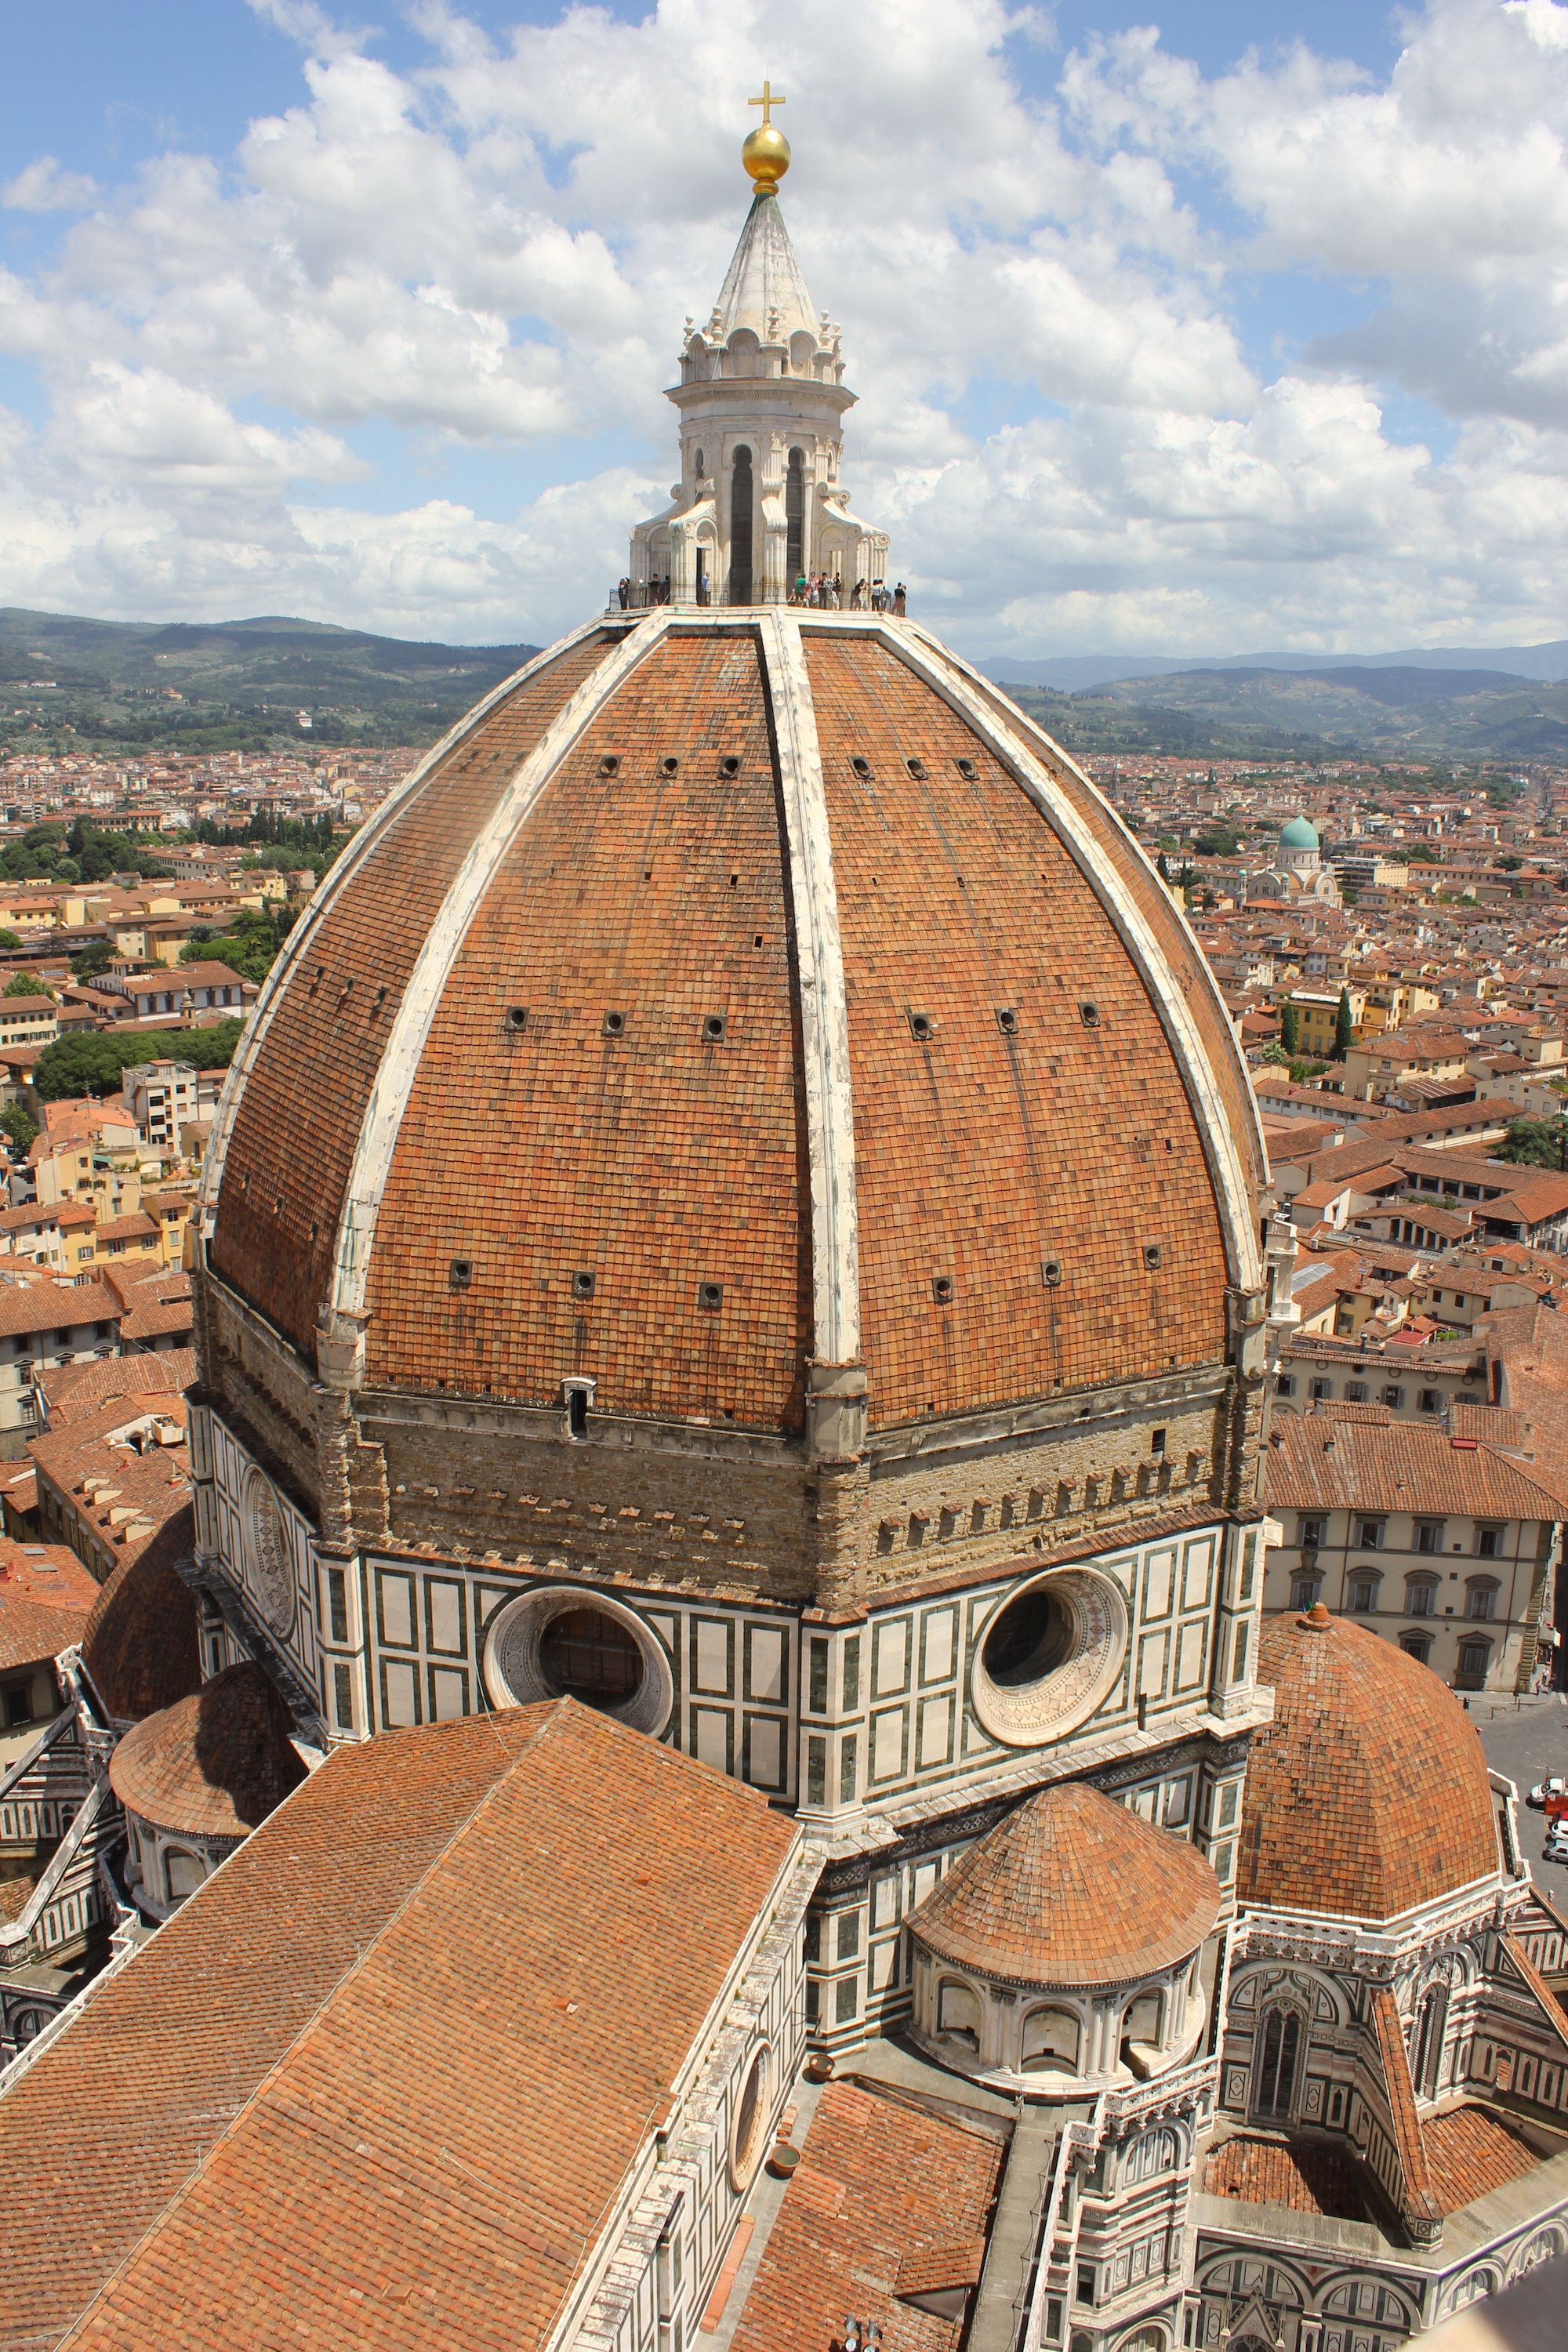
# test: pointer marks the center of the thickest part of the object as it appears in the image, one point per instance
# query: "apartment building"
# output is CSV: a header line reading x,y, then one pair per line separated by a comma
x,y
1441,1543
44,1324
161,1097
28,1020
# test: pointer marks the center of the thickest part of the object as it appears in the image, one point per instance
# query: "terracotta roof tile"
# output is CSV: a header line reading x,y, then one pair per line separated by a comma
x,y
884,2190
267,2112
1308,2178
140,1644
1339,1815
75,1393
1473,2149
214,1765
1327,1462
1071,1889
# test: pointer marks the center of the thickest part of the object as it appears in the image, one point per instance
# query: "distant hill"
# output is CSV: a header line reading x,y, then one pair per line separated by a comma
x,y
1073,673
233,684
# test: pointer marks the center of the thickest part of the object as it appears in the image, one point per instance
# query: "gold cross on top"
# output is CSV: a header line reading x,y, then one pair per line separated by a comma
x,y
767,102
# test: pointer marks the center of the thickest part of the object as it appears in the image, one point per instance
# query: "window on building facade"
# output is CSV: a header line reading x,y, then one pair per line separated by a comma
x,y
1429,1400
1312,1534
1481,1599
1279,2050
1394,1397
1355,1391
1416,1646
1429,1535
1369,1534
1321,1391
1473,1656
1420,1596
958,2015
1304,1591
1285,1384
1489,1543
1364,1595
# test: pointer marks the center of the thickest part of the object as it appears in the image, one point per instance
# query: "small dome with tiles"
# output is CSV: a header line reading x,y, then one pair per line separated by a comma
x,y
214,1766
1071,1889
1368,1794
735,997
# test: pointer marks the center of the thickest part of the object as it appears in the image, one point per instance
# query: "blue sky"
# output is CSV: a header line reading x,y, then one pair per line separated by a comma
x,y
1184,330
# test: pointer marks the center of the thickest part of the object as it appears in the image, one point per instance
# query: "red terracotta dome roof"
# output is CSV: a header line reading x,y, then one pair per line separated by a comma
x,y
214,1766
140,1646
727,983
1368,1792
1071,1889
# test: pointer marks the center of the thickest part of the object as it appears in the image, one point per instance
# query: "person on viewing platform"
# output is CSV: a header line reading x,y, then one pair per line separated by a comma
x,y
899,595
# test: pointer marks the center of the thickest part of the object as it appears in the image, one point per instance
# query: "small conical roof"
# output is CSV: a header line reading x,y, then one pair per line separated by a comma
x,y
1071,1889
215,1765
764,276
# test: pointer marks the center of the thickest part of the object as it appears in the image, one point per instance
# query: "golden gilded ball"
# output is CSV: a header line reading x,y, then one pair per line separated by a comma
x,y
766,156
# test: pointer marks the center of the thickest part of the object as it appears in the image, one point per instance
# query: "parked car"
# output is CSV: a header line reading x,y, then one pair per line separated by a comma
x,y
1544,1789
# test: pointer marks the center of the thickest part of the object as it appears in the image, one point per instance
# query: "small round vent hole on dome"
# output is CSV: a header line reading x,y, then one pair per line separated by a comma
x,y
941,1288
730,765
460,1273
1051,1273
1007,1020
917,769
1152,1255
862,769
710,1296
670,767
1090,1015
922,1028
582,1285
517,1019
615,1024
966,768
713,1028
610,765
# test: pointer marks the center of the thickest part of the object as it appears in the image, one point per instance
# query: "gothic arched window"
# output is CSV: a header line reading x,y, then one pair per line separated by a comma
x,y
1426,2049
794,520
741,496
1279,2050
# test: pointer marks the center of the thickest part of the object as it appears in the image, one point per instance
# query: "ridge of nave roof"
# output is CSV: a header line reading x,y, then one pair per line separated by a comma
x,y
765,289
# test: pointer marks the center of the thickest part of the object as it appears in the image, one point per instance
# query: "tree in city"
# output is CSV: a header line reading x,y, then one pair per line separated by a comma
x,y
93,1064
23,984
16,1124
1289,1028
1534,1143
248,949
1344,1027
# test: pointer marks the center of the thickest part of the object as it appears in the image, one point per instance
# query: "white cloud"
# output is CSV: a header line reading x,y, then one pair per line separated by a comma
x,y
44,187
494,253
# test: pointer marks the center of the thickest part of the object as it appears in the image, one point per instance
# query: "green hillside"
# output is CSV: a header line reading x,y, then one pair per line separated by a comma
x,y
132,688
1385,713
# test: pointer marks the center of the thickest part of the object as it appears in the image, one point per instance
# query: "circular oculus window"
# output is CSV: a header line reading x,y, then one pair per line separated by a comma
x,y
749,2130
563,1643
1048,1657
267,1552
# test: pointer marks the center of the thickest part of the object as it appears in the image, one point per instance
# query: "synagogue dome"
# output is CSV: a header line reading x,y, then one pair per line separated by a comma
x,y
1298,835
735,997
1368,1794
